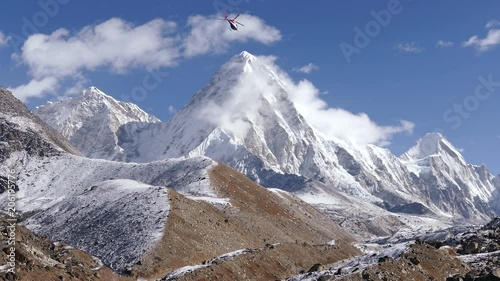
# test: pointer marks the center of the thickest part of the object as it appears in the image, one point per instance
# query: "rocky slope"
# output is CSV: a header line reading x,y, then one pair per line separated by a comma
x,y
459,253
20,130
38,257
90,121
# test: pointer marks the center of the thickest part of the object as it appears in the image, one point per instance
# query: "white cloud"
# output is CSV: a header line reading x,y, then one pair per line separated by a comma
x,y
486,44
306,69
118,46
3,39
340,123
35,88
492,23
461,150
444,44
409,47
237,112
114,44
207,34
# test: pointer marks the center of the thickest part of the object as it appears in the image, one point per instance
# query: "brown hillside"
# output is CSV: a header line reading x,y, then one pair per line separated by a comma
x,y
199,231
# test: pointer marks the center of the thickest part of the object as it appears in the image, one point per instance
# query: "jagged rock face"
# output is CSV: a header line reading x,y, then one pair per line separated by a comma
x,y
13,139
91,120
450,182
348,162
20,130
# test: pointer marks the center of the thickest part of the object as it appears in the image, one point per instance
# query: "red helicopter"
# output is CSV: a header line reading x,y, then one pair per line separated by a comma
x,y
233,24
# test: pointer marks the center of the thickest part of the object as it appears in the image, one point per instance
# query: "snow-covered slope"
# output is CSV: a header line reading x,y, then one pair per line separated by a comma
x,y
101,206
116,220
246,119
46,181
90,121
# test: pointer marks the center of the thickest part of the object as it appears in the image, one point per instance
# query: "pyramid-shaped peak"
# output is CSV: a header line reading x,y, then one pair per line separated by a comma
x,y
433,144
94,92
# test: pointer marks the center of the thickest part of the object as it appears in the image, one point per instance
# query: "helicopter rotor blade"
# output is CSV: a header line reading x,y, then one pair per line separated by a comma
x,y
240,23
236,16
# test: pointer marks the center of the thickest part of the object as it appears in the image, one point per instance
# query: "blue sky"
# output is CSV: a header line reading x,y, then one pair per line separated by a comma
x,y
402,73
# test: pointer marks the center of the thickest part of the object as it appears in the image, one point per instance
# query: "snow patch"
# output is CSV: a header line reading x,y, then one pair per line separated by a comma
x,y
187,269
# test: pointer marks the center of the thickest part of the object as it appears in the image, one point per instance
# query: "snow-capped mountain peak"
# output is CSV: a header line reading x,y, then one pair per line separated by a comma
x,y
94,92
433,144
90,121
439,164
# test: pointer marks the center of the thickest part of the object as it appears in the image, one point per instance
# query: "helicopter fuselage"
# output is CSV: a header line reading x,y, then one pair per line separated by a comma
x,y
232,25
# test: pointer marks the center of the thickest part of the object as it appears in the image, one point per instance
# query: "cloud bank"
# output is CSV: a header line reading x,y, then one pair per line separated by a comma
x,y
119,46
340,123
207,34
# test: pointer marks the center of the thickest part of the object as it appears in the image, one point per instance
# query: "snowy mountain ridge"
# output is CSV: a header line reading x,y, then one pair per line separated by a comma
x,y
246,118
441,167
90,121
